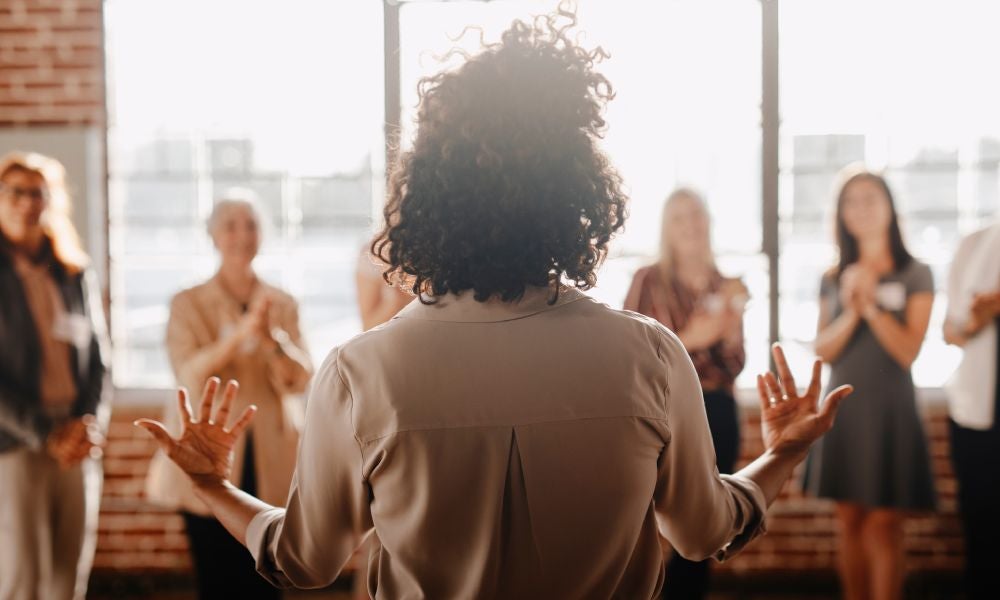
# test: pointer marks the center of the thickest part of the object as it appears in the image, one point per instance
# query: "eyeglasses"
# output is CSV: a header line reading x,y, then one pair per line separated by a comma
x,y
36,194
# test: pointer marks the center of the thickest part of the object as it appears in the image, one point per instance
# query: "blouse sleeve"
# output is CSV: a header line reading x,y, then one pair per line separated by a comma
x,y
327,516
702,513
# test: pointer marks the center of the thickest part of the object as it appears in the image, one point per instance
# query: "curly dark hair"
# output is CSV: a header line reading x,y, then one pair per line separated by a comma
x,y
505,186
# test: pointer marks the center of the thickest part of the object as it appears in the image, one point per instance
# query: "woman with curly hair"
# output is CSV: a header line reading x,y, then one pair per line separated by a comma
x,y
506,436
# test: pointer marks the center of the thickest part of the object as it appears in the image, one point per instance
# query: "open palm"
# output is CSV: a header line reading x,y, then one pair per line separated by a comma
x,y
790,422
205,447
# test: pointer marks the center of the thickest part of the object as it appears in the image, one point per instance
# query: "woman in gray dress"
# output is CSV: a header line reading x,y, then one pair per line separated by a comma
x,y
874,310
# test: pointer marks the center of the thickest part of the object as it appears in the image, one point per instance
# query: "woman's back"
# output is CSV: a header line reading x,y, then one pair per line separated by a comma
x,y
492,476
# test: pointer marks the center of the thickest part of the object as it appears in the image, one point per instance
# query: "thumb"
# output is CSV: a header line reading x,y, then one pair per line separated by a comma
x,y
158,431
832,402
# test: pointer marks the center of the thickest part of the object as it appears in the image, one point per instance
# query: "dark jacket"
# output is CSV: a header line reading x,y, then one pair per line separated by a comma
x,y
23,421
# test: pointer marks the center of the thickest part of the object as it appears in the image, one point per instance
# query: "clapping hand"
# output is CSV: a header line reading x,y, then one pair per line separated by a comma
x,y
790,422
857,287
205,448
985,308
75,440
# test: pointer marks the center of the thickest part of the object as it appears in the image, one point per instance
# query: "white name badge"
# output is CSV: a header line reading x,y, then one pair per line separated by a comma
x,y
73,329
891,296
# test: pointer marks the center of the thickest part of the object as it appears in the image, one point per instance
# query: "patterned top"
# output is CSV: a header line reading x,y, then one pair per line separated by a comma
x,y
673,304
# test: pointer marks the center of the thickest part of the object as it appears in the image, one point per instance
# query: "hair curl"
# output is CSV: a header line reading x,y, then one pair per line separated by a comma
x,y
505,186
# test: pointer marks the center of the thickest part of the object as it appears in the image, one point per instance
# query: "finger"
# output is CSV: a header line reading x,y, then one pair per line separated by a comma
x,y
762,393
158,431
228,395
773,389
184,405
814,383
784,373
244,421
208,398
832,402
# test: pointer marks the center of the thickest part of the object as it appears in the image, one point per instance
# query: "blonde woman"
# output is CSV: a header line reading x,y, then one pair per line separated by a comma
x,y
53,384
685,292
236,326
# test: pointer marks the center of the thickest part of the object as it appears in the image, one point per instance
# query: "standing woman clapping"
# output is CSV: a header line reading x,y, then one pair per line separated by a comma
x,y
875,304
235,326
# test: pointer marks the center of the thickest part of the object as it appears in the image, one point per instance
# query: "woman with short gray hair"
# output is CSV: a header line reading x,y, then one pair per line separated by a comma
x,y
235,325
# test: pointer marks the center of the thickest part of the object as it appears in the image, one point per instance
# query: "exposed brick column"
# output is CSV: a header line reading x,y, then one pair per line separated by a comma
x,y
51,62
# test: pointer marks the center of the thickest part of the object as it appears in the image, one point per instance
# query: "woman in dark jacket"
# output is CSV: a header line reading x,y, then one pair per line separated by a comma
x,y
52,385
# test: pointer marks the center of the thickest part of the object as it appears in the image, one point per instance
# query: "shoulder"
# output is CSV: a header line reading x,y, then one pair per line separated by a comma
x,y
971,241
189,298
830,279
279,297
917,277
917,271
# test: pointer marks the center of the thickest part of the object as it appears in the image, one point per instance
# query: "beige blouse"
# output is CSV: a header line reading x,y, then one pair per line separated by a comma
x,y
58,385
199,317
498,450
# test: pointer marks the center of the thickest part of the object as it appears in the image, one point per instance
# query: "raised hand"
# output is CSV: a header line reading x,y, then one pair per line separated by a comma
x,y
205,448
790,422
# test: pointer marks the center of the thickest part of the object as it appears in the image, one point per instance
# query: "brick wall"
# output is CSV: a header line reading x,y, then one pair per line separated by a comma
x,y
51,62
801,529
137,538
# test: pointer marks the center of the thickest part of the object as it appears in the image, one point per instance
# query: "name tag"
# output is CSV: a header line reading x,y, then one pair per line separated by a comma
x,y
891,296
73,329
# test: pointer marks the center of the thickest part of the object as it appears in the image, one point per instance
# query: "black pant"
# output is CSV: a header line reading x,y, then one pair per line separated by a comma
x,y
223,567
976,456
687,579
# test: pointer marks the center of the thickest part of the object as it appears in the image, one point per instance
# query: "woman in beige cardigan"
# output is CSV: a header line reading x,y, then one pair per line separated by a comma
x,y
236,326
507,436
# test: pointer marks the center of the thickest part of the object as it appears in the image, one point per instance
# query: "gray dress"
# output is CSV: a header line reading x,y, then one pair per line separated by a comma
x,y
876,453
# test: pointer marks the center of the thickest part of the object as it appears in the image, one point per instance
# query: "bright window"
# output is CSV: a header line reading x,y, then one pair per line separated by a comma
x,y
903,87
687,112
287,99
282,98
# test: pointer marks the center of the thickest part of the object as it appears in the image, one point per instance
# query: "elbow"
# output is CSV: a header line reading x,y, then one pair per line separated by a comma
x,y
701,548
824,353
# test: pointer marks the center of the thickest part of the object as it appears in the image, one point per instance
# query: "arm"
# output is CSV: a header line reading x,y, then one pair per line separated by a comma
x,y
190,361
327,516
698,511
902,340
291,366
703,513
732,353
833,334
21,418
97,388
633,298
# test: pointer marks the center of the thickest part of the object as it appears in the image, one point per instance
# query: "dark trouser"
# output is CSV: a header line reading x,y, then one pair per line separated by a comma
x,y
687,579
223,567
976,456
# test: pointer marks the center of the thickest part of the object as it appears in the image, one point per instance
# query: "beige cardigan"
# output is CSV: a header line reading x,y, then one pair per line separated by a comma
x,y
199,316
497,450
